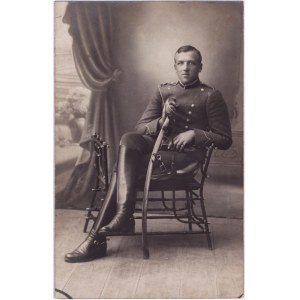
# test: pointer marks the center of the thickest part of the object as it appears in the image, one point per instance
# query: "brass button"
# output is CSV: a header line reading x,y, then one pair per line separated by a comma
x,y
186,127
187,119
202,89
189,112
192,105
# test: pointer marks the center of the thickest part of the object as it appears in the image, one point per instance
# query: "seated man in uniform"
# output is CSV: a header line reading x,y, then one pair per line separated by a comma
x,y
200,118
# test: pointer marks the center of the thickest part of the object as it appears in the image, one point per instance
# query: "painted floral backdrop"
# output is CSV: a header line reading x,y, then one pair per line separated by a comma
x,y
70,116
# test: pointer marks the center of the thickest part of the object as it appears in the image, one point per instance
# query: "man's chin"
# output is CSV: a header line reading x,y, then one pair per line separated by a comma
x,y
186,81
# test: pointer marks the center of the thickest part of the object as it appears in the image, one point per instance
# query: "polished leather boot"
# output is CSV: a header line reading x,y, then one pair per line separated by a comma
x,y
127,172
108,209
94,246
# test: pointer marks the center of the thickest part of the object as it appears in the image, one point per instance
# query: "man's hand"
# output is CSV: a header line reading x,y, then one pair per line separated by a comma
x,y
181,140
168,110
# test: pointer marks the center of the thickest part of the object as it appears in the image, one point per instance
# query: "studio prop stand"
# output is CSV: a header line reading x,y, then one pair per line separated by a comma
x,y
99,155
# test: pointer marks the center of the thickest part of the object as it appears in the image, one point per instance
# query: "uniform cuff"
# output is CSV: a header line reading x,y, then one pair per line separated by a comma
x,y
202,138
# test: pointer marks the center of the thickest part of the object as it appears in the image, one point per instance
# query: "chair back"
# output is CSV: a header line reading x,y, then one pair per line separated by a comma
x,y
101,162
205,165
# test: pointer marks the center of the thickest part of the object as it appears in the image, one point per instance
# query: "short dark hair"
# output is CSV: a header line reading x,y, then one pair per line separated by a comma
x,y
188,48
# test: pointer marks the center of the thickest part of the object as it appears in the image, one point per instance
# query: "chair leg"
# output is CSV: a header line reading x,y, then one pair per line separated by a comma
x,y
189,199
89,215
88,218
146,253
206,223
86,223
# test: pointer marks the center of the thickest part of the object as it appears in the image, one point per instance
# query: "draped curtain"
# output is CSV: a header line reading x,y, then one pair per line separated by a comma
x,y
90,25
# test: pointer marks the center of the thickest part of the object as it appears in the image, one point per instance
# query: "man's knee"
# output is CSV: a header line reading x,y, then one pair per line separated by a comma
x,y
131,140
136,141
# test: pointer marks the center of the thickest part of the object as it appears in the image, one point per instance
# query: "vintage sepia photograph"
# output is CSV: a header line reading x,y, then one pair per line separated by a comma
x,y
149,149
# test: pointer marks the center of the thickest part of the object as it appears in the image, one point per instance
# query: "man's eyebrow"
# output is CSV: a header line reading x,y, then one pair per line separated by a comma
x,y
188,60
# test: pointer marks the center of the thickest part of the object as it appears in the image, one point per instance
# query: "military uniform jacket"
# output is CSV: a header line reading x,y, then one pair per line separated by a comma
x,y
198,107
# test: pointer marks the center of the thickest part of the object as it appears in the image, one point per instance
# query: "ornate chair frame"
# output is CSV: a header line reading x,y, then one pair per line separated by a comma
x,y
193,188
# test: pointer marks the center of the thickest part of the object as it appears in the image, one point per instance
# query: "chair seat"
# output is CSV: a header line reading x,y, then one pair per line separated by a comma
x,y
178,183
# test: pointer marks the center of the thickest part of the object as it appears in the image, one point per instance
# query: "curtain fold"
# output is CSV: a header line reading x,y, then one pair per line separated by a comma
x,y
91,28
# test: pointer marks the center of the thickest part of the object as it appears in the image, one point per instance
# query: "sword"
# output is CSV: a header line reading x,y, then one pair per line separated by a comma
x,y
147,184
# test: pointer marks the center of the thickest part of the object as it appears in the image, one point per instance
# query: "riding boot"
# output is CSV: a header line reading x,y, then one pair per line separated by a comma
x,y
94,246
123,221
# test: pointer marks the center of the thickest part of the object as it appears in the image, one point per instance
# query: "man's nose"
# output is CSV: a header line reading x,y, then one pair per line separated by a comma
x,y
185,66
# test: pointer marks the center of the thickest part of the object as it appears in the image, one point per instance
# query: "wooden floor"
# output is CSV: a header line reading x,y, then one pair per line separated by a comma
x,y
179,266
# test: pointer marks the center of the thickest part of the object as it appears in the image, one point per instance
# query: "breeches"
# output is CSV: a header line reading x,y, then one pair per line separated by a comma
x,y
144,145
141,146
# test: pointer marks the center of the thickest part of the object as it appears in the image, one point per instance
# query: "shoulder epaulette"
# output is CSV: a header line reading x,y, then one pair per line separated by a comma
x,y
168,83
210,89
206,85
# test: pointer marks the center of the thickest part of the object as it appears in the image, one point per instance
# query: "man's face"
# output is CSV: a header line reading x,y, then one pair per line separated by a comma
x,y
187,66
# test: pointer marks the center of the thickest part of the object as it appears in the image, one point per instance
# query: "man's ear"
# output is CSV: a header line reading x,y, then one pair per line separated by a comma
x,y
200,67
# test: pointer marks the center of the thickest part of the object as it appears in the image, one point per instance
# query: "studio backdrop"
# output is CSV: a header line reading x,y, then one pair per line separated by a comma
x,y
109,59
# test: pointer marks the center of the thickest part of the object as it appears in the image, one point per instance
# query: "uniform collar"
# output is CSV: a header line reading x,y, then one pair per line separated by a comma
x,y
193,84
